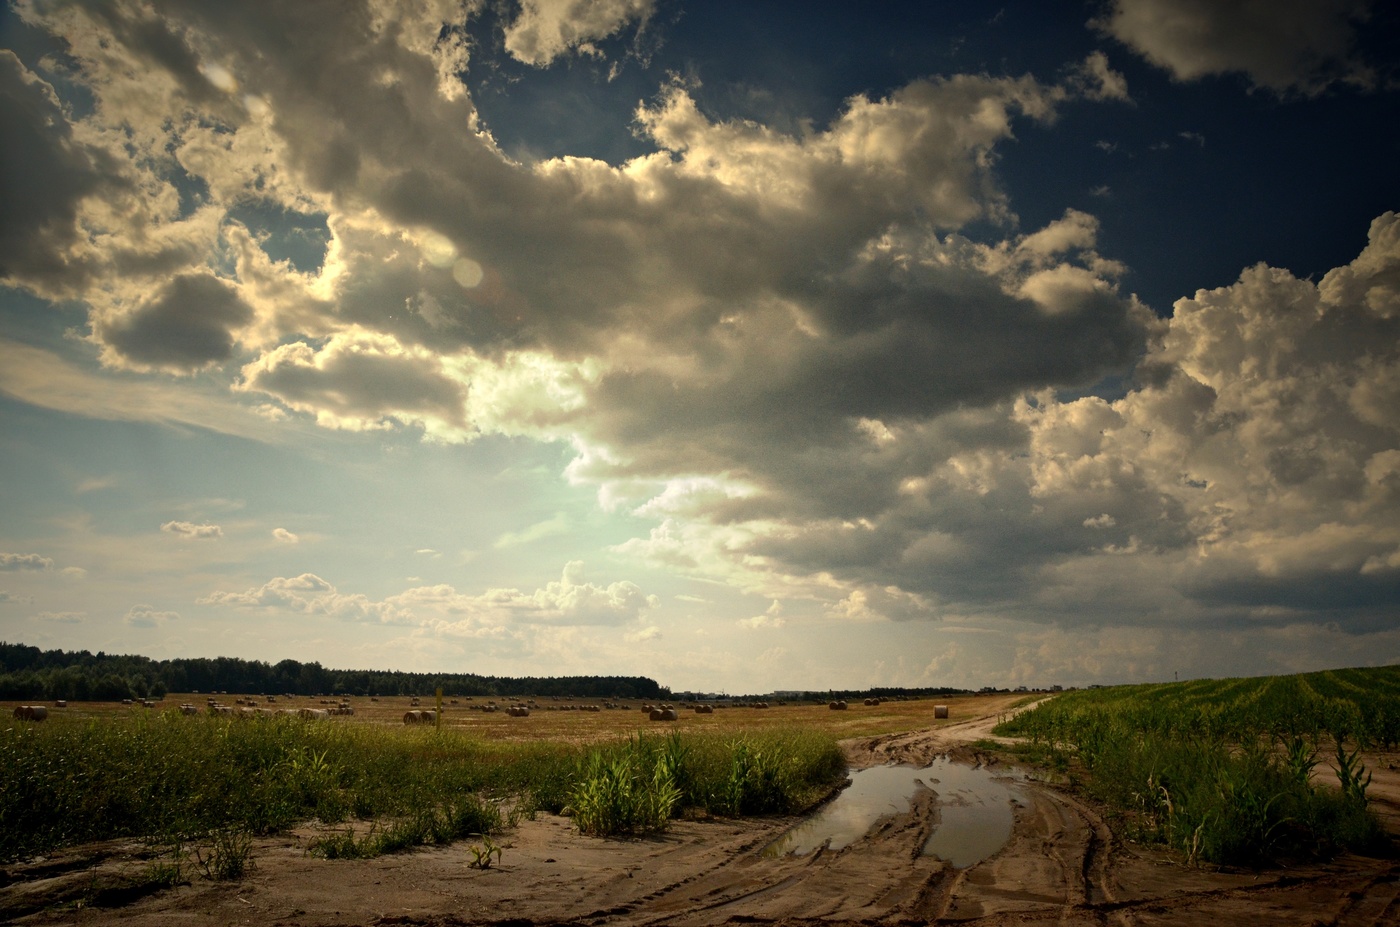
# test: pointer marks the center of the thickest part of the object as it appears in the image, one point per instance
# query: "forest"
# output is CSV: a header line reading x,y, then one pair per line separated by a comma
x,y
30,673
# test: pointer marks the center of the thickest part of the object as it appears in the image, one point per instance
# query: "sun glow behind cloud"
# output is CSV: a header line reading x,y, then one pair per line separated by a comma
x,y
808,381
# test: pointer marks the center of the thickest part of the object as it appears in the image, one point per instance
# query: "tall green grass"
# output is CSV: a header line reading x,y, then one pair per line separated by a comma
x,y
639,785
171,778
168,776
1224,770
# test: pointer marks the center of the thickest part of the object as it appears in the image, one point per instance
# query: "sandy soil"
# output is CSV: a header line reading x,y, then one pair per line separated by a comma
x,y
1062,866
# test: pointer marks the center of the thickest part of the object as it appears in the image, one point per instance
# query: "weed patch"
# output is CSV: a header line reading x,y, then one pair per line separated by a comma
x,y
166,777
1224,770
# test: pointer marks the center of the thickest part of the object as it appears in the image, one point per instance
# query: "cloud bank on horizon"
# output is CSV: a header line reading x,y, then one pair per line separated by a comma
x,y
820,379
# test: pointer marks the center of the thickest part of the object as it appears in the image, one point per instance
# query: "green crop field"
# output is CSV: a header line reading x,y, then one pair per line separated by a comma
x,y
1228,770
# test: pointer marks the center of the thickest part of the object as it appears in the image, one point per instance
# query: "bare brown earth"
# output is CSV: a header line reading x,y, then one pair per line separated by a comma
x,y
1062,866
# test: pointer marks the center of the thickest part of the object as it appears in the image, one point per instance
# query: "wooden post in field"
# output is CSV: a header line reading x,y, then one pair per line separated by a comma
x,y
439,708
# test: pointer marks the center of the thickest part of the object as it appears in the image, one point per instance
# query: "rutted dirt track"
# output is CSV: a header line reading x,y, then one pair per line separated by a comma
x,y
1062,866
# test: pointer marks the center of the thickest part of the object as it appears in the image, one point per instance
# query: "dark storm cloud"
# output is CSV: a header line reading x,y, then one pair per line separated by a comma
x,y
188,325
45,172
1299,46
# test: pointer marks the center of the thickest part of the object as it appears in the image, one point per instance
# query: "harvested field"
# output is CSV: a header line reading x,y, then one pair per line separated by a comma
x,y
1062,864
571,721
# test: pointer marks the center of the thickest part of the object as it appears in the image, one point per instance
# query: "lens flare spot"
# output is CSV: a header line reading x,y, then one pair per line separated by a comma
x,y
467,272
221,77
438,250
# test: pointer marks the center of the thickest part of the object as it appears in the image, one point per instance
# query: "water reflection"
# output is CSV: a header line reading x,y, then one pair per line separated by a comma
x,y
975,811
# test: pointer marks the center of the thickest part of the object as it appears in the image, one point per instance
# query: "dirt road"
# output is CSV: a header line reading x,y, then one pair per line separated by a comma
x,y
1061,866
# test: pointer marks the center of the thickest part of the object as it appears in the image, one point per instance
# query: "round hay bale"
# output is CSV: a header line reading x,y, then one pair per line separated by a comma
x,y
704,710
837,706
518,711
413,717
31,712
61,703
664,714
940,711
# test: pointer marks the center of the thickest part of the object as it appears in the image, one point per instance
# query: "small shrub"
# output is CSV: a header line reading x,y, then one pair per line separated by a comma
x,y
228,855
469,816
169,871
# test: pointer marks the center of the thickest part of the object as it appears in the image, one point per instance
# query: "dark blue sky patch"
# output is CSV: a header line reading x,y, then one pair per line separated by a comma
x,y
285,235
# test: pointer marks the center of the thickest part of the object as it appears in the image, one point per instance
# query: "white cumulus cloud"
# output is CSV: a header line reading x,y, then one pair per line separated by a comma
x,y
186,529
546,29
144,616
309,594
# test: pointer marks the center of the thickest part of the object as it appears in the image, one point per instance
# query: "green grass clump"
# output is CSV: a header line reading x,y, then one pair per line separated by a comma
x,y
641,784
428,824
1223,770
623,793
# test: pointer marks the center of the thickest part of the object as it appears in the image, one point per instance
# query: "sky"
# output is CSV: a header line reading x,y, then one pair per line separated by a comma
x,y
747,347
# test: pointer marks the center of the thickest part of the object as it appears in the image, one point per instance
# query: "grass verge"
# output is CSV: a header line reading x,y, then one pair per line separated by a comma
x,y
214,783
1222,771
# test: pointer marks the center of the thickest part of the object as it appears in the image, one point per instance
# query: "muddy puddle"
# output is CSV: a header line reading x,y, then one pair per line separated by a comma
x,y
975,811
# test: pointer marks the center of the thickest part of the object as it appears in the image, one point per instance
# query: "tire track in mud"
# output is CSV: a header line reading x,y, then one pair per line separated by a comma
x,y
877,876
884,878
1062,866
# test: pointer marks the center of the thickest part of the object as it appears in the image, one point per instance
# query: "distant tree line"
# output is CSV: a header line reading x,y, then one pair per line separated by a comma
x,y
30,673
886,692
